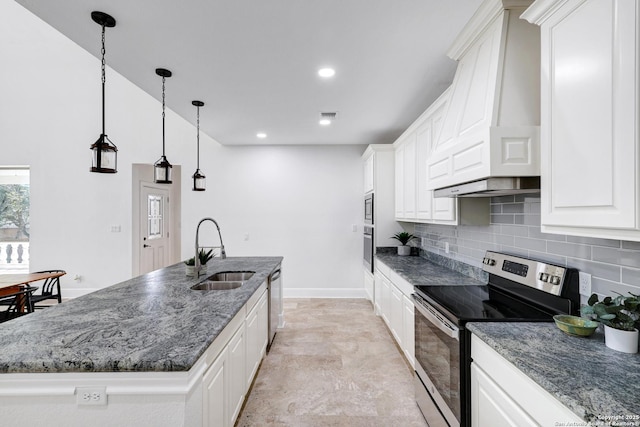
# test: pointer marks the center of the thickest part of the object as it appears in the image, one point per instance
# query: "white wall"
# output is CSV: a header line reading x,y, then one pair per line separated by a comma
x,y
296,201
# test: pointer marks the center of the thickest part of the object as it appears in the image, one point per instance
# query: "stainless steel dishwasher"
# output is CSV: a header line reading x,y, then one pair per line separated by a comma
x,y
274,287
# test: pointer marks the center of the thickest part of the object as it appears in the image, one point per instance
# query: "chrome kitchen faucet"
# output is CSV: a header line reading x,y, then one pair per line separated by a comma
x,y
223,254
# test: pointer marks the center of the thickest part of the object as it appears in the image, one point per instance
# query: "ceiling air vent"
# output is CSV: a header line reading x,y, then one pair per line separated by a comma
x,y
328,115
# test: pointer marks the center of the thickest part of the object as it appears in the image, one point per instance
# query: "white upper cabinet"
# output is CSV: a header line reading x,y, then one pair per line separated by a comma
x,y
590,114
491,123
369,173
414,201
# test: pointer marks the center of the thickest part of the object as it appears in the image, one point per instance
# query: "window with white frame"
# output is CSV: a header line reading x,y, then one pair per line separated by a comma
x,y
14,219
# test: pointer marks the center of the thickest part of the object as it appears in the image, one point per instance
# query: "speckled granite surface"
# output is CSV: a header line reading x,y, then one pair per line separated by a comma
x,y
595,382
153,322
421,272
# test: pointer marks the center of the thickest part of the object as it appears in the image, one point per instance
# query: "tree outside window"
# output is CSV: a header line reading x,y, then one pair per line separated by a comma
x,y
14,220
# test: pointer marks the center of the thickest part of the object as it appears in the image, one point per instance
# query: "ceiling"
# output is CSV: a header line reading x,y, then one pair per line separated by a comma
x,y
254,63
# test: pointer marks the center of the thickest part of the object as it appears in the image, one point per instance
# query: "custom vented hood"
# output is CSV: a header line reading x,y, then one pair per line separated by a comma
x,y
491,125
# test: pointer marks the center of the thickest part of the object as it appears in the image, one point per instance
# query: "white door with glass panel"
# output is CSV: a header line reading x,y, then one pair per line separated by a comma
x,y
154,228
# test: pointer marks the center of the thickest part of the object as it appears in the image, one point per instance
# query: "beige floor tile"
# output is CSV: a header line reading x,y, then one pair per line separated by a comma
x,y
334,364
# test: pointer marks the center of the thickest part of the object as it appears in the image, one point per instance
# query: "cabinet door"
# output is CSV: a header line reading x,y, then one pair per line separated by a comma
x,y
253,343
368,173
445,209
385,305
590,116
424,141
396,309
237,379
408,329
263,325
368,284
491,406
409,177
399,180
215,399
377,292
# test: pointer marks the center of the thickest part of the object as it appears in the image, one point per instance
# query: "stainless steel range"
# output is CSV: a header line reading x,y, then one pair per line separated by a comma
x,y
519,289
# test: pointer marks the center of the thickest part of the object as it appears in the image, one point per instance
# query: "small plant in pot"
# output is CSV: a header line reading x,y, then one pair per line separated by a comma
x,y
203,256
404,238
621,319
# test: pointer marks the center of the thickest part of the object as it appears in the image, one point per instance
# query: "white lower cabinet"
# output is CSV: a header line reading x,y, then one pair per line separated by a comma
x,y
215,400
368,284
228,378
237,353
503,396
394,304
257,336
408,328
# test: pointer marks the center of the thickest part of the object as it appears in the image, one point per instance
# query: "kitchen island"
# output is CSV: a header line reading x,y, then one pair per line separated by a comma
x,y
144,343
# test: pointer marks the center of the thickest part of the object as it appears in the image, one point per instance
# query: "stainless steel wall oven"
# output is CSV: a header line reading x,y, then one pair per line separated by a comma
x,y
368,209
368,247
519,289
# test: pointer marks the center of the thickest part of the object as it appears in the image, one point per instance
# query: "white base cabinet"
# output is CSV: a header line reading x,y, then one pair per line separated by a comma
x,y
228,378
394,304
368,284
590,126
502,396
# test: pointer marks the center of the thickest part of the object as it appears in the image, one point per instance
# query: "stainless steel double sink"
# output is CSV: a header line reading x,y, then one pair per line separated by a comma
x,y
223,280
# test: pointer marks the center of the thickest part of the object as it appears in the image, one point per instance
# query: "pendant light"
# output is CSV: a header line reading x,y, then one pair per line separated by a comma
x,y
105,153
199,180
162,168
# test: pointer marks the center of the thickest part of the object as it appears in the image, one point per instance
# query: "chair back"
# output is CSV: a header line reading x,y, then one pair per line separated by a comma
x,y
51,286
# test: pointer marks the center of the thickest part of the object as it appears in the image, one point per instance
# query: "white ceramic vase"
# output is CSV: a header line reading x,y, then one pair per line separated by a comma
x,y
404,250
190,270
624,341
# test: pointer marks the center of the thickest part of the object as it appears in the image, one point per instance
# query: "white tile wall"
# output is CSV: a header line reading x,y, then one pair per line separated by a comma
x,y
515,228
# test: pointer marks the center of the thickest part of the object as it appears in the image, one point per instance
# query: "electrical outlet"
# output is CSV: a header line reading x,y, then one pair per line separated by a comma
x,y
585,284
91,396
446,247
423,242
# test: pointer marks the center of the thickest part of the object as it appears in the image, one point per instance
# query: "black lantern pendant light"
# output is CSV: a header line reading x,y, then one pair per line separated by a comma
x,y
199,180
162,168
105,153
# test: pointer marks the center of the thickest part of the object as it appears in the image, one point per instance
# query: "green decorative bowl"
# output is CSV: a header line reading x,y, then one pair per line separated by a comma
x,y
575,326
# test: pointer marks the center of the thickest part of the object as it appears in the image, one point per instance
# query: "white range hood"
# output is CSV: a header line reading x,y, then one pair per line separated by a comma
x,y
491,126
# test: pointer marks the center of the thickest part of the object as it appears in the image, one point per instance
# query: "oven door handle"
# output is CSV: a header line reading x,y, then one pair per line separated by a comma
x,y
426,310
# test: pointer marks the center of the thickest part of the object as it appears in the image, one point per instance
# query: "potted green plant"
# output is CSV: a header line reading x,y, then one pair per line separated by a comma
x,y
620,316
203,256
404,238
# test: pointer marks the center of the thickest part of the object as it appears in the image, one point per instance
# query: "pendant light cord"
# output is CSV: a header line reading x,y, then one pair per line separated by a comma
x,y
198,136
104,78
163,79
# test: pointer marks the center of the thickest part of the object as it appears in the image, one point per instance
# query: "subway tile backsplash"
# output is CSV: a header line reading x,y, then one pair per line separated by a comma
x,y
515,228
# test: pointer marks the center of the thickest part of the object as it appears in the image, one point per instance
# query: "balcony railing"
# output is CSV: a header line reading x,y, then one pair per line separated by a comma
x,y
14,257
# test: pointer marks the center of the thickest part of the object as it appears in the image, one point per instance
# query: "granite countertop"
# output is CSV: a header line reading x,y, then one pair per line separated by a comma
x,y
153,322
597,383
421,272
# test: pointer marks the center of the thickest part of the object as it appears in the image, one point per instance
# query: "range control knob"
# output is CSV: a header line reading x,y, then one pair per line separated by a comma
x,y
489,261
544,277
555,280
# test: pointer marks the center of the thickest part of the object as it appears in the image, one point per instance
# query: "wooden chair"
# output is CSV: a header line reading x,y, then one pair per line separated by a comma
x,y
15,302
50,290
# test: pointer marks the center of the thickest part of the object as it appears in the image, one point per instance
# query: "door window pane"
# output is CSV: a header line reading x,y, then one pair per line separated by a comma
x,y
155,213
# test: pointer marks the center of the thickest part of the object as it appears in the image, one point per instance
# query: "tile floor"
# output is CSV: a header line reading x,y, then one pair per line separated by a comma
x,y
333,364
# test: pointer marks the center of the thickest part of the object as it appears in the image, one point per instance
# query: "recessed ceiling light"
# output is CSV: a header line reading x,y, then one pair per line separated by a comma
x,y
326,72
325,122
261,135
